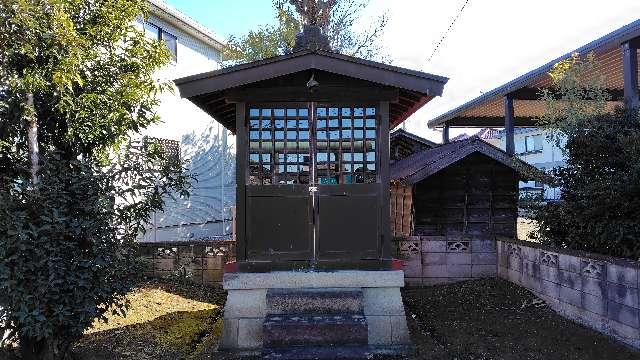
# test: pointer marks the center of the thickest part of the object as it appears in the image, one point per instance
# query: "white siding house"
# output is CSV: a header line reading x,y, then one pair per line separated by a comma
x,y
205,144
533,147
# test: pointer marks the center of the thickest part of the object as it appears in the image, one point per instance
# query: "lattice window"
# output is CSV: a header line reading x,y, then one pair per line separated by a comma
x,y
285,140
346,145
279,150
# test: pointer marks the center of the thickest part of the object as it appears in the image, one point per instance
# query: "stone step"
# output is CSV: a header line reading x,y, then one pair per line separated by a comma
x,y
320,353
314,330
314,301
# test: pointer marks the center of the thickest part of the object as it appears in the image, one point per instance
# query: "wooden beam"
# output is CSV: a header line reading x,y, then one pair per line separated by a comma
x,y
508,125
413,96
395,121
405,102
242,145
402,107
490,121
322,93
226,113
383,168
445,134
213,100
630,74
530,93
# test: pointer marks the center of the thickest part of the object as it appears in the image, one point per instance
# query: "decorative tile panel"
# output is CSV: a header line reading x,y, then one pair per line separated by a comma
x,y
548,259
458,246
409,247
167,252
592,269
222,249
514,250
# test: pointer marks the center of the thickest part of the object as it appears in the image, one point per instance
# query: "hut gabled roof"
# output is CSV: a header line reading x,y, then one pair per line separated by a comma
x,y
399,133
428,162
209,90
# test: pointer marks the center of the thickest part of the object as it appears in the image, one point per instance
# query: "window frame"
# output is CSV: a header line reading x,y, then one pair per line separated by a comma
x,y
162,34
368,173
174,52
534,148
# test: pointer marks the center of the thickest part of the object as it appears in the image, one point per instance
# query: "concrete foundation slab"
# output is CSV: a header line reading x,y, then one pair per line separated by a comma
x,y
247,304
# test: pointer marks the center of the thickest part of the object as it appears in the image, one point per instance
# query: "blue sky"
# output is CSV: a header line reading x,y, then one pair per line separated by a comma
x,y
227,17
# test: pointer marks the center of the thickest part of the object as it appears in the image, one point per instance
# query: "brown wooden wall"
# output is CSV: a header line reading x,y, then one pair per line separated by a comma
x,y
401,206
476,196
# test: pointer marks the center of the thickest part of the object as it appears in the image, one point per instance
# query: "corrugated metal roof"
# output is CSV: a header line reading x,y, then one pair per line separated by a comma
x,y
489,105
428,162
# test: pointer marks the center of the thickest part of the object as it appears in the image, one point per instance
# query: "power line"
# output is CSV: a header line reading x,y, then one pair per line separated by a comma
x,y
444,36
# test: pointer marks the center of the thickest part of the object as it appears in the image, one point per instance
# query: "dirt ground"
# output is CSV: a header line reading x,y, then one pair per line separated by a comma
x,y
494,319
480,319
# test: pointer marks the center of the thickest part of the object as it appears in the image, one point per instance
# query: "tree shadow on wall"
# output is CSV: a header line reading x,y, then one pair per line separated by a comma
x,y
207,212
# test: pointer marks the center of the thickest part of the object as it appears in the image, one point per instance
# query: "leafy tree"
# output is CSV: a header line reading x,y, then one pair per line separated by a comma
x,y
600,184
76,83
336,18
577,94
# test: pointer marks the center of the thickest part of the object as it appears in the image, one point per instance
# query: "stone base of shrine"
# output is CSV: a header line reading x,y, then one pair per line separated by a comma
x,y
254,300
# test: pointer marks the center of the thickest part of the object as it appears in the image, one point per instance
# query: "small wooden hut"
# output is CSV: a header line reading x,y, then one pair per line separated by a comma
x,y
464,187
448,205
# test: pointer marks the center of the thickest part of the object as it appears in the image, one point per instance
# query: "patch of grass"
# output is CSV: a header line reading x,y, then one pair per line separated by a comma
x,y
147,304
183,331
164,321
209,342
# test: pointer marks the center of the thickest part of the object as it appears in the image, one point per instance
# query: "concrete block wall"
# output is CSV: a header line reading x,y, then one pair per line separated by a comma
x,y
199,261
433,260
597,291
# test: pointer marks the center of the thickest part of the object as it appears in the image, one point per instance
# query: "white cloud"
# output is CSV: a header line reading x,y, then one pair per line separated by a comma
x,y
493,41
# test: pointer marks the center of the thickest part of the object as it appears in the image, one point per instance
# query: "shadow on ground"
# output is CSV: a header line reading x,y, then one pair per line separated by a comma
x,y
179,335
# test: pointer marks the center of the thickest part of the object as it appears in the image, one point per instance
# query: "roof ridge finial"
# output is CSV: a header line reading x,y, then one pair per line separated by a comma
x,y
315,18
312,38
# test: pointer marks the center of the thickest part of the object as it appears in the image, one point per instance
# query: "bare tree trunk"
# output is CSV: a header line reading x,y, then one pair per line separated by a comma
x,y
32,139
